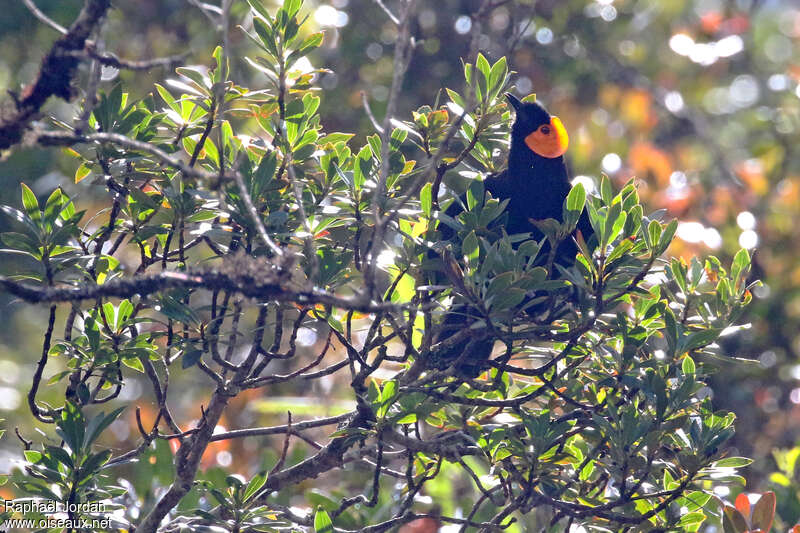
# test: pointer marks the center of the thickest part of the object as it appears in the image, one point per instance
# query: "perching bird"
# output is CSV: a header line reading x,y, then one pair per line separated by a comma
x,y
536,185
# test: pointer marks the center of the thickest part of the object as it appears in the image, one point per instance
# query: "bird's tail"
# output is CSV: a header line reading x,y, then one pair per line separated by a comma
x,y
468,354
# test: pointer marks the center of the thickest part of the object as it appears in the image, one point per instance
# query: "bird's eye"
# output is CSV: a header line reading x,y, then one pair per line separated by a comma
x,y
545,130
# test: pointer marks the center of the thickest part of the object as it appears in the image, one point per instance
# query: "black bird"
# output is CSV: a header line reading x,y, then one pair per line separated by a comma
x,y
536,185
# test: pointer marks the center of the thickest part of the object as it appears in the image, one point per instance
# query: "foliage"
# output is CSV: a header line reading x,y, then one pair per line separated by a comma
x,y
743,517
782,483
217,250
71,473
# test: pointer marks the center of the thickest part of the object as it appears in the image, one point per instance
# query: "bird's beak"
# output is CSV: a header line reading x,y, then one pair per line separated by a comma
x,y
514,101
549,142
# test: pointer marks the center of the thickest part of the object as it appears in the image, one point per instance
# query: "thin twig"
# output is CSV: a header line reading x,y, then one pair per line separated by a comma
x,y
207,10
278,430
112,60
402,56
66,138
286,437
370,115
44,18
388,12
254,216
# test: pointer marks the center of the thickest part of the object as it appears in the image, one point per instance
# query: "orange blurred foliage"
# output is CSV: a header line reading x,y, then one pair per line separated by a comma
x,y
711,21
646,159
751,172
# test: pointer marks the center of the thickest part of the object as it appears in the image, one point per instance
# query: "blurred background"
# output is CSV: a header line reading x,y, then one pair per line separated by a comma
x,y
697,99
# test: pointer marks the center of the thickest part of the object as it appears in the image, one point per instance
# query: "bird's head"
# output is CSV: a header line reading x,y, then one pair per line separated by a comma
x,y
542,133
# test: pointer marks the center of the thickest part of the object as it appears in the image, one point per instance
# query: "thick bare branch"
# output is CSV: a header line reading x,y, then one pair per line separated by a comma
x,y
264,286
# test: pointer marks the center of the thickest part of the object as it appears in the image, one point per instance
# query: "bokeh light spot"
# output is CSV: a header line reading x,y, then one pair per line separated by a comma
x,y
748,239
463,24
544,35
612,163
746,220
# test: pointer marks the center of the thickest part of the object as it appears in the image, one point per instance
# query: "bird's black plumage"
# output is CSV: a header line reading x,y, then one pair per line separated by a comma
x,y
535,187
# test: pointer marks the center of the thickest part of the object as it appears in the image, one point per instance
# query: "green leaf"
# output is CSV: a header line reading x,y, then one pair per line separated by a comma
x,y
375,145
177,310
266,35
60,455
666,237
38,489
335,137
52,207
605,190
619,250
397,138
202,216
211,151
98,424
386,398
508,298
196,76
497,75
470,247
292,6
30,203
687,366
134,363
678,270
780,479
653,235
483,66
362,167
21,242
32,456
426,199
475,194
690,519
254,486
322,522
94,463
741,263
168,98
218,71
83,170
259,8
668,482
311,42
671,328
109,313
701,338
456,98
576,198
529,249
71,426
732,462
468,70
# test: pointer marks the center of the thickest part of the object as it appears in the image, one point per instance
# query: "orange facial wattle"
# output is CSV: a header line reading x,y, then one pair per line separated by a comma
x,y
549,140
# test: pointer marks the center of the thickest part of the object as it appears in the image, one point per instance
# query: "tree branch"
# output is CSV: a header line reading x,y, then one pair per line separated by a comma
x,y
263,286
55,75
44,18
